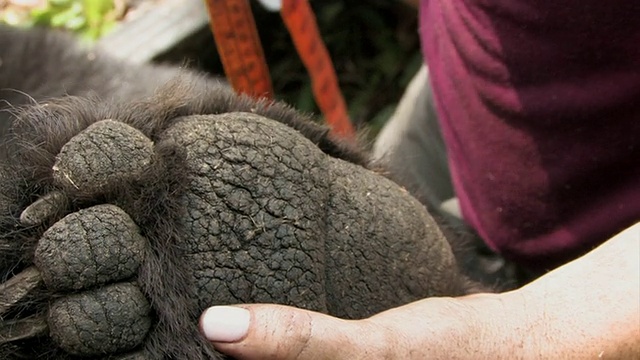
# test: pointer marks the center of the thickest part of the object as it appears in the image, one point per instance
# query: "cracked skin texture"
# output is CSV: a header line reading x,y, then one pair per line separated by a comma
x,y
89,248
84,324
258,213
272,218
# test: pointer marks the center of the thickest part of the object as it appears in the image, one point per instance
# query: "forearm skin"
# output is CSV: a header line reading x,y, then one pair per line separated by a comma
x,y
586,309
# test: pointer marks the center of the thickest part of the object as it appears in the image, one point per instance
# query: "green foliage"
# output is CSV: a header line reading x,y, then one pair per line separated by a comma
x,y
89,18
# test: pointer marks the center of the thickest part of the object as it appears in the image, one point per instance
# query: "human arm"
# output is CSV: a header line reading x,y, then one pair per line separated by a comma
x,y
587,308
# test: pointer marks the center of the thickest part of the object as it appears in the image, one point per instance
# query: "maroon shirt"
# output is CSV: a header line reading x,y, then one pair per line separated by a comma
x,y
539,103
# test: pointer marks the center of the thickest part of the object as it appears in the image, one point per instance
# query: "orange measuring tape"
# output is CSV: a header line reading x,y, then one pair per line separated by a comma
x,y
239,47
245,66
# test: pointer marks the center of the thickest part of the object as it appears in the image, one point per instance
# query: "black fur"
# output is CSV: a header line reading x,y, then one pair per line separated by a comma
x,y
71,70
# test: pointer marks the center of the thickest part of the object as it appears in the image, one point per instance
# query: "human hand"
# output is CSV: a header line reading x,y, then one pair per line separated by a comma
x,y
429,328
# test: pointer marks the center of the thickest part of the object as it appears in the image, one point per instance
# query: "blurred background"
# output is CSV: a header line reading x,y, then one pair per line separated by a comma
x,y
373,43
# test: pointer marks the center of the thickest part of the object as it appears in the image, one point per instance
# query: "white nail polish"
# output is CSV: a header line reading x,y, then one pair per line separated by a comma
x,y
225,323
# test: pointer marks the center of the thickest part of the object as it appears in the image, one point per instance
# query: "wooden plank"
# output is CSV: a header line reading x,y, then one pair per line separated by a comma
x,y
157,31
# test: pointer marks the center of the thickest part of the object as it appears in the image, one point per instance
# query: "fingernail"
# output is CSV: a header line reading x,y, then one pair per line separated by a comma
x,y
225,323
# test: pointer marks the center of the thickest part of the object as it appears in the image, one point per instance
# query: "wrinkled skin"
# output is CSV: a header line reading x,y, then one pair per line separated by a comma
x,y
121,221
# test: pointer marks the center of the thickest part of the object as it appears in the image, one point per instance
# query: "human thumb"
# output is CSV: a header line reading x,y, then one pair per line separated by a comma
x,y
280,332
